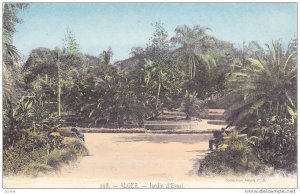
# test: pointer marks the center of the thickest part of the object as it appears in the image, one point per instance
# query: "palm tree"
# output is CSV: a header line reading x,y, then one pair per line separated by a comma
x,y
11,72
194,43
191,38
10,53
266,87
192,54
10,19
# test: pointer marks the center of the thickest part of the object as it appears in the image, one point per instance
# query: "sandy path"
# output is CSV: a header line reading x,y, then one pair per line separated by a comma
x,y
117,160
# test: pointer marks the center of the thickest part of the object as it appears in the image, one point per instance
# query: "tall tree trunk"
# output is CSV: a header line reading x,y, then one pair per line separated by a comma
x,y
58,98
156,113
157,96
158,90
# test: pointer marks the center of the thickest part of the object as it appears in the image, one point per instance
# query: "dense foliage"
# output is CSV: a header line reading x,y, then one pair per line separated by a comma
x,y
238,157
187,72
27,117
169,73
263,93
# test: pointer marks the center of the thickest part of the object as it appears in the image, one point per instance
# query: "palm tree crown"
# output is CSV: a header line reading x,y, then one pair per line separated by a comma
x,y
267,86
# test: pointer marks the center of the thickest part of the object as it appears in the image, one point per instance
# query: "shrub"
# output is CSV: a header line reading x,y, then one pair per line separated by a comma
x,y
54,159
31,147
276,144
72,149
68,155
35,153
188,104
76,146
238,157
17,161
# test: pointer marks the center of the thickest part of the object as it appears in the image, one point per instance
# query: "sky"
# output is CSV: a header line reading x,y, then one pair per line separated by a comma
x,y
122,26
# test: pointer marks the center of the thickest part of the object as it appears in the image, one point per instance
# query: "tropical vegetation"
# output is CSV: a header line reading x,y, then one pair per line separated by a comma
x,y
61,86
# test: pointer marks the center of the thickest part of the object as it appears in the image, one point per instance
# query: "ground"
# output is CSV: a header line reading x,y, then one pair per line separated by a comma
x,y
145,160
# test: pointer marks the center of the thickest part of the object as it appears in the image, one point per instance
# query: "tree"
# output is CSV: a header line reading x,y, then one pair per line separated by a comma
x,y
150,72
264,88
69,43
10,53
264,104
53,70
10,19
192,56
191,39
11,71
105,57
193,43
158,47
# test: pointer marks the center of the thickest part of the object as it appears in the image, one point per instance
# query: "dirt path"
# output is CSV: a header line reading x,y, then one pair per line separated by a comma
x,y
146,160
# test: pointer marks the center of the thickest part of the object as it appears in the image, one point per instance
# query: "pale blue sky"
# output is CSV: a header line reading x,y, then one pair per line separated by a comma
x,y
124,25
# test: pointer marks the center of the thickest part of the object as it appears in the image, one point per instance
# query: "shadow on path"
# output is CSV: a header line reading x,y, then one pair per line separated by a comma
x,y
195,168
167,138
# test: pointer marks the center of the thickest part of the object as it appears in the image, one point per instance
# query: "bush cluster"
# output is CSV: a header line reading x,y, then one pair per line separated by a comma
x,y
237,158
276,144
25,157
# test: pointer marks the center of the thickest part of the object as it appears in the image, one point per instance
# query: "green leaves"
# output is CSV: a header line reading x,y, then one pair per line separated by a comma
x,y
256,63
269,84
10,19
70,44
257,105
292,112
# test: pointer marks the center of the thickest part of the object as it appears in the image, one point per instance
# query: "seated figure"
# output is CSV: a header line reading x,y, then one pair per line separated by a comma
x,y
79,135
218,137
